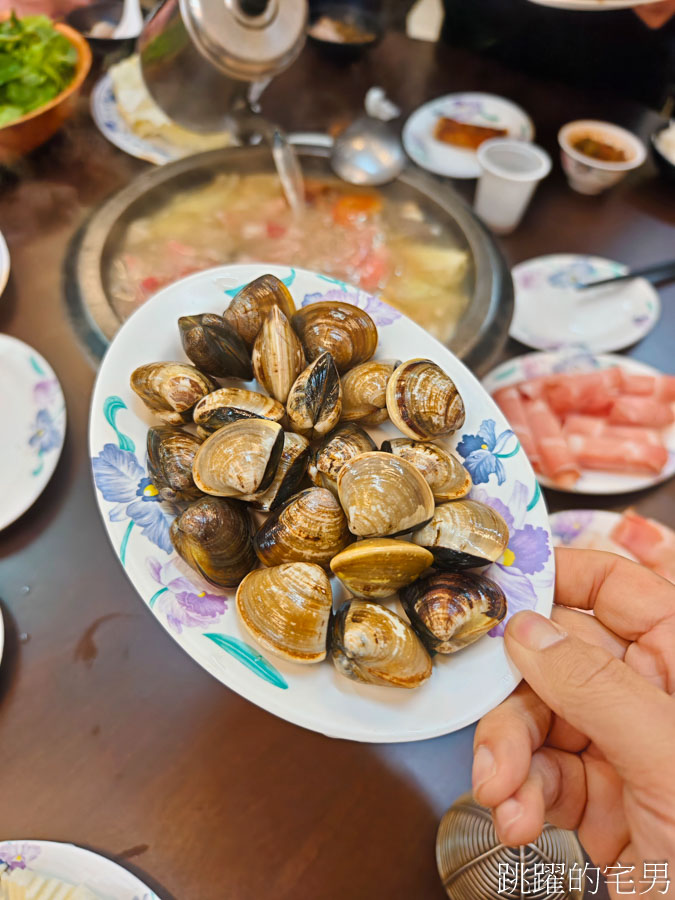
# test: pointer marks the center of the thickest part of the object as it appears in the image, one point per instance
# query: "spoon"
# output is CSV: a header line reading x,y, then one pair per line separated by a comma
x,y
368,152
131,23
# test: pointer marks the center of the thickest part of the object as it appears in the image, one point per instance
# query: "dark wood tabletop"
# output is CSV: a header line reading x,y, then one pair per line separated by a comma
x,y
111,736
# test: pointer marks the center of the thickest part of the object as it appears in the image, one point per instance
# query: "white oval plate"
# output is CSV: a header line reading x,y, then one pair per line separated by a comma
x,y
106,878
587,529
4,263
463,687
33,413
591,5
534,365
550,313
113,127
488,110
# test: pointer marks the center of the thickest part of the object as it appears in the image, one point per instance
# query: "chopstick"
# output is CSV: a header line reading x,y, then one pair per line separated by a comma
x,y
656,274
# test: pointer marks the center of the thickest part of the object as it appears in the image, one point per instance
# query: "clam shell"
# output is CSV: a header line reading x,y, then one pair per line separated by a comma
x,y
444,473
315,401
309,527
383,495
171,452
229,404
214,346
240,458
341,329
250,307
170,389
450,610
423,401
287,609
378,567
278,357
292,466
370,643
464,534
326,460
364,391
214,536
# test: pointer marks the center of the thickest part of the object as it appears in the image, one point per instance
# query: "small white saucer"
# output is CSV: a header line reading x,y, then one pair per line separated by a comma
x,y
33,413
4,263
551,314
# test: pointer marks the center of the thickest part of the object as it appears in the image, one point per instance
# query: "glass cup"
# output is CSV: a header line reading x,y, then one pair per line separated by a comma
x,y
510,171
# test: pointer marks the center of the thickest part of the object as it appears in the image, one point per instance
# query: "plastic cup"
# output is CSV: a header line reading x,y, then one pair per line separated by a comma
x,y
510,171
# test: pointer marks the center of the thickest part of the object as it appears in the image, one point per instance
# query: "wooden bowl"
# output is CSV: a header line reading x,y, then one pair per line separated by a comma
x,y
25,134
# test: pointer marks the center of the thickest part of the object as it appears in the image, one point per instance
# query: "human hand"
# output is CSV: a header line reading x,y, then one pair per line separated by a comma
x,y
656,14
586,741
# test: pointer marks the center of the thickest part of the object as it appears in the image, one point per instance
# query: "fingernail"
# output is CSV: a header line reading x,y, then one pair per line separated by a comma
x,y
509,812
534,631
484,767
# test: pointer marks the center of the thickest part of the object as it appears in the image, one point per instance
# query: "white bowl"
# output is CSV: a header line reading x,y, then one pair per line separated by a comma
x,y
592,176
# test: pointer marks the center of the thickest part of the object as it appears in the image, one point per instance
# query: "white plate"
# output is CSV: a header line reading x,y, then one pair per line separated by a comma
x,y
587,529
33,413
591,5
463,687
478,109
107,879
113,127
4,263
550,313
534,365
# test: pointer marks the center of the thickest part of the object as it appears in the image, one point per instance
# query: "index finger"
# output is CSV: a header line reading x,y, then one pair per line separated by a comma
x,y
625,596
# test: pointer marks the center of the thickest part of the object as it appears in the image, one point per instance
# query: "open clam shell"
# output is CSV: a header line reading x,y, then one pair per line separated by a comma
x,y
240,458
309,527
215,537
287,609
278,357
292,466
423,401
170,389
364,392
250,307
171,452
341,329
342,444
383,496
376,568
444,473
450,610
214,346
229,404
372,644
464,534
314,402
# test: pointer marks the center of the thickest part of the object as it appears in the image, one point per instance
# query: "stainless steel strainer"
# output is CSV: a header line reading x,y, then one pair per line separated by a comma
x,y
469,854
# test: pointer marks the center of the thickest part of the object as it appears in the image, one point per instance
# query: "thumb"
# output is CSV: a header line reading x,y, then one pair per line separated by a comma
x,y
631,721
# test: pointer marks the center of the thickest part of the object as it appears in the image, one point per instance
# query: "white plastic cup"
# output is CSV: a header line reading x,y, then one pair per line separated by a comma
x,y
510,171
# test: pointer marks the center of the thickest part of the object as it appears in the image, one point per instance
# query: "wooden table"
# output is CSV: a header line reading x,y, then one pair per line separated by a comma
x,y
113,738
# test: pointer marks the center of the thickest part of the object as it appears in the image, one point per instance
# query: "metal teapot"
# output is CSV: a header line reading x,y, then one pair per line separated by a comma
x,y
203,60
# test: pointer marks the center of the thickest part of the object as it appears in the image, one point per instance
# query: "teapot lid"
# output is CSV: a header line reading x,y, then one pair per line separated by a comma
x,y
248,40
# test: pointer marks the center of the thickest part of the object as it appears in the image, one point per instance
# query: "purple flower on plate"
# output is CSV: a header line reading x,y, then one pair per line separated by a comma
x,y
527,552
483,452
528,279
45,391
380,312
122,480
46,436
568,525
184,604
18,856
464,109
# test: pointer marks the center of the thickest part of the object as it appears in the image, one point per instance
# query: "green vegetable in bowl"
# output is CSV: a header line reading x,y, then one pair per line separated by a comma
x,y
36,64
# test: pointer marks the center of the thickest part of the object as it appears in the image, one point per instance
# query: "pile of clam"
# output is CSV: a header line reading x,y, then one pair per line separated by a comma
x,y
393,521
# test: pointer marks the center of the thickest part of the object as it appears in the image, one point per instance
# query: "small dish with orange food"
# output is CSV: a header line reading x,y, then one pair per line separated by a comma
x,y
597,155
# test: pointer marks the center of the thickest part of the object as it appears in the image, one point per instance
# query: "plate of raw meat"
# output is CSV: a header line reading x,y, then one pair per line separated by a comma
x,y
629,534
590,424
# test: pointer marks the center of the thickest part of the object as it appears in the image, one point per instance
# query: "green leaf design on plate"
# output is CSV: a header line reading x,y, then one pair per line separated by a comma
x,y
507,373
249,658
111,407
125,541
36,365
535,497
